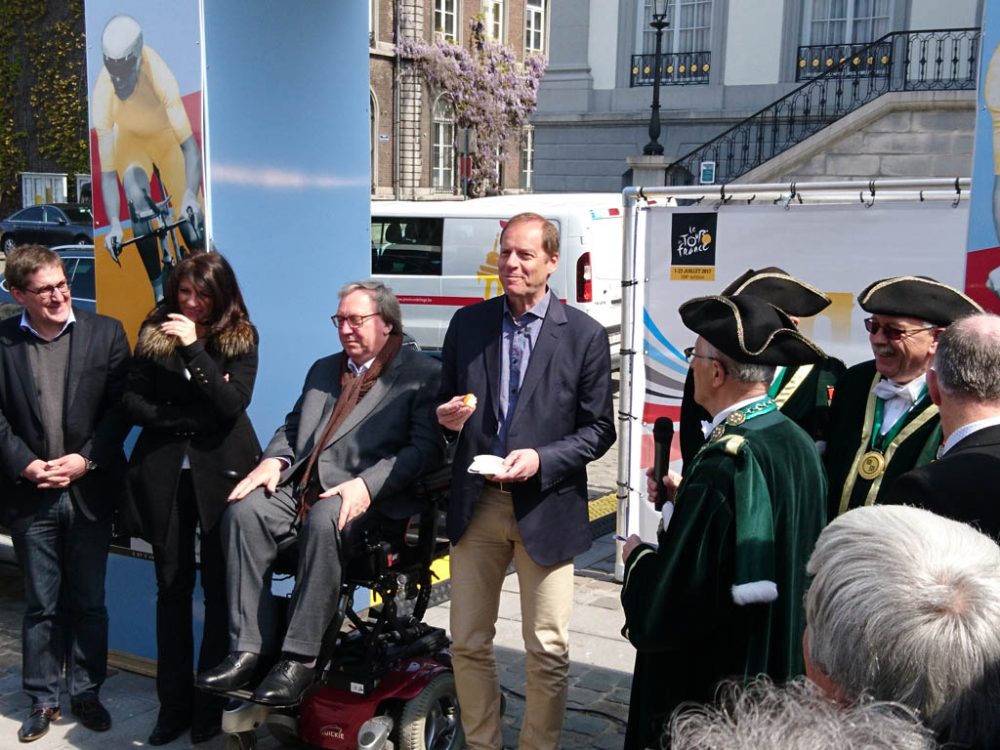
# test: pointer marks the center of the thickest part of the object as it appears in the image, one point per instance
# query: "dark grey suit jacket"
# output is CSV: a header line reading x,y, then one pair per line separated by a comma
x,y
563,411
961,485
94,424
389,439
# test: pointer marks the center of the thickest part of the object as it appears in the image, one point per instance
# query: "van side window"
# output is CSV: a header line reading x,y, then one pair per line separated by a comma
x,y
403,246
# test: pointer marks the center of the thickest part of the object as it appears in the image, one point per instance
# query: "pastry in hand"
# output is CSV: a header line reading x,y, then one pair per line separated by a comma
x,y
469,399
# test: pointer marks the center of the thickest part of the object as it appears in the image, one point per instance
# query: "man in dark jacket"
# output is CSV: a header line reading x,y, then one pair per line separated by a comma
x,y
964,383
62,373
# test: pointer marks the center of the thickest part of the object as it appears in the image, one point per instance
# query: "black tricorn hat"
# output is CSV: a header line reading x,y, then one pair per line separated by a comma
x,y
749,330
774,285
917,297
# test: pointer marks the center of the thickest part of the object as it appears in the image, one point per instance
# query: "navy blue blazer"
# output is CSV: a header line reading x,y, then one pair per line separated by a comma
x,y
564,411
94,424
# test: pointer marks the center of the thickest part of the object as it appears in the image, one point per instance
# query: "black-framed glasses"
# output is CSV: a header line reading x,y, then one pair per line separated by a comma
x,y
690,354
354,321
46,292
891,332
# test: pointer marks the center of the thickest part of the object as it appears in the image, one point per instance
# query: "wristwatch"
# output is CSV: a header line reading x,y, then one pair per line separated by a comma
x,y
90,464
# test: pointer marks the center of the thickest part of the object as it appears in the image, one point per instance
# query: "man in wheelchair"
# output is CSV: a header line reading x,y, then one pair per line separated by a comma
x,y
362,431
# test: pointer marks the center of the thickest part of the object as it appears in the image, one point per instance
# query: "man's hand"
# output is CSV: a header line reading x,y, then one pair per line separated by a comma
x,y
113,239
521,464
180,326
56,474
665,489
354,499
630,544
453,414
266,474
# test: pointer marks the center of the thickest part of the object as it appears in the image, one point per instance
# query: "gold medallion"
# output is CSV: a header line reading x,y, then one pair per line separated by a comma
x,y
736,419
872,465
717,433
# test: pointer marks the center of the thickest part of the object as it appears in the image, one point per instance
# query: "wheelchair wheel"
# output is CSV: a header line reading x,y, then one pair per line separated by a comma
x,y
241,741
430,721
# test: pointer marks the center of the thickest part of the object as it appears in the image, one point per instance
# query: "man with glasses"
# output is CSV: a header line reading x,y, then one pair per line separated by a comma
x,y
882,420
62,374
722,593
361,432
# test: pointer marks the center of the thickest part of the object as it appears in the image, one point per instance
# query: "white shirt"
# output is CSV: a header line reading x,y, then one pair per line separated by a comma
x,y
965,430
896,407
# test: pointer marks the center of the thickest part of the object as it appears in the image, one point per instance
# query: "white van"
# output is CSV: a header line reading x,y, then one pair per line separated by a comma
x,y
438,256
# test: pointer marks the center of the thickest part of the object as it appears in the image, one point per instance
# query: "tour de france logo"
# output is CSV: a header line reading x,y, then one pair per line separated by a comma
x,y
692,246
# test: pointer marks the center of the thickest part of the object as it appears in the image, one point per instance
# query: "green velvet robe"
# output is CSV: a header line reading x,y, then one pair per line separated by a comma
x,y
804,400
917,442
679,610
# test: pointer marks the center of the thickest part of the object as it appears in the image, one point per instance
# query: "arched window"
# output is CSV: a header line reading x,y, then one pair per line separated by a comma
x,y
443,145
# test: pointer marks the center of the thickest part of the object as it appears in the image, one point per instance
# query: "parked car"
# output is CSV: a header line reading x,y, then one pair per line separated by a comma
x,y
48,224
78,260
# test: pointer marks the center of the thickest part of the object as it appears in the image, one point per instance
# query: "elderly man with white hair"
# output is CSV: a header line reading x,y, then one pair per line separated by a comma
x,y
904,606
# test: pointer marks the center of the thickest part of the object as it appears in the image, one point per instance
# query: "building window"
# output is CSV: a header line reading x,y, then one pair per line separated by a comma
x,y
845,21
689,31
446,20
443,145
372,16
527,159
373,140
493,12
534,27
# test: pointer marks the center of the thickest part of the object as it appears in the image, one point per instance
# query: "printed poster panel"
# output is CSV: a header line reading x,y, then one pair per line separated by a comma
x,y
838,248
982,278
144,79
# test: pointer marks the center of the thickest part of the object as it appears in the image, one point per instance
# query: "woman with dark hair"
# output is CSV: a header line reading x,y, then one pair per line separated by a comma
x,y
191,381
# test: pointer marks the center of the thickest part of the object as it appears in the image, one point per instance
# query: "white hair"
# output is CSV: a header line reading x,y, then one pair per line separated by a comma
x,y
794,716
905,605
741,371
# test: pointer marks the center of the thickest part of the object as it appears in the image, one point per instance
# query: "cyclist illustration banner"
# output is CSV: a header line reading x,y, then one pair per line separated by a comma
x,y
982,275
144,78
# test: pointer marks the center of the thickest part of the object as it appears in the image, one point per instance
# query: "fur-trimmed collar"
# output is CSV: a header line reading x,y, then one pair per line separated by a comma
x,y
159,347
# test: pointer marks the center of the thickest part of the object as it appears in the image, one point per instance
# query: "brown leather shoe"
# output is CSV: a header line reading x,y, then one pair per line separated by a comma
x,y
37,723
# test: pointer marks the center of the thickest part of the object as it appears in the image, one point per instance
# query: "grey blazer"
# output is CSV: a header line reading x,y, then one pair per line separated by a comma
x,y
389,439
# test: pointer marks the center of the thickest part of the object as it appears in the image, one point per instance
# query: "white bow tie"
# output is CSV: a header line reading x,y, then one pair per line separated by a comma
x,y
887,390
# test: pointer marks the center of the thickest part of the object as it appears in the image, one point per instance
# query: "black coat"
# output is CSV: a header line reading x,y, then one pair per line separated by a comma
x,y
93,425
202,416
962,485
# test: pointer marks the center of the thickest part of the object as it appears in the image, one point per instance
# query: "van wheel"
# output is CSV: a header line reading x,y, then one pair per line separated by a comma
x,y
431,720
241,741
8,245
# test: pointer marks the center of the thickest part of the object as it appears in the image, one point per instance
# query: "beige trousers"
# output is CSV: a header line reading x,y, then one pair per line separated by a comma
x,y
478,564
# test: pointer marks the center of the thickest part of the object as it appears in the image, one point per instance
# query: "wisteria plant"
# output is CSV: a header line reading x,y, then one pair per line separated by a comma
x,y
493,95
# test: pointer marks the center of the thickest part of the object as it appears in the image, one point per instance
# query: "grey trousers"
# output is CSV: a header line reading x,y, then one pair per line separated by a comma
x,y
254,529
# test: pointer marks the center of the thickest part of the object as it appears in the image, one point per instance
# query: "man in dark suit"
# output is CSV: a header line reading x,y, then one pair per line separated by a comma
x,y
62,373
963,382
360,433
541,375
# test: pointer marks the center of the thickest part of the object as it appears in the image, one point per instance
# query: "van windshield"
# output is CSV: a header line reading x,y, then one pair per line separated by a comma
x,y
407,246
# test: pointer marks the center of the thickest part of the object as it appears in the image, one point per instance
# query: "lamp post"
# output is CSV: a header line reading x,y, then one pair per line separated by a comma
x,y
659,22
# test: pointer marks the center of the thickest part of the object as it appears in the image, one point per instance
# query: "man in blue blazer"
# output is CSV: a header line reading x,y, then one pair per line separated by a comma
x,y
541,376
62,374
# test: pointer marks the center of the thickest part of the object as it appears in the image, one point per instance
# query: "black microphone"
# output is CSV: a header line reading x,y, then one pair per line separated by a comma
x,y
663,436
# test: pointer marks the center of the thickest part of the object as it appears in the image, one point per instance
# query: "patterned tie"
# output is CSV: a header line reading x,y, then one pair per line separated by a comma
x,y
517,356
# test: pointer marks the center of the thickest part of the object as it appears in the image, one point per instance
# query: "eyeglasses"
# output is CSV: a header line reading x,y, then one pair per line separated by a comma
x,y
891,332
354,321
46,292
690,354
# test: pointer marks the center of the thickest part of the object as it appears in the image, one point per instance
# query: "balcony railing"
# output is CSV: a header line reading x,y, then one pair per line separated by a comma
x,y
899,61
676,68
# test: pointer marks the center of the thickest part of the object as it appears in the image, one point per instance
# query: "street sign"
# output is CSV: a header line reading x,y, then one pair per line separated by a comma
x,y
706,173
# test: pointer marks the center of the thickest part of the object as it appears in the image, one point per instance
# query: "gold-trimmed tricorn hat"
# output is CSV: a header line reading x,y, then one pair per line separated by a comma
x,y
918,297
784,291
749,330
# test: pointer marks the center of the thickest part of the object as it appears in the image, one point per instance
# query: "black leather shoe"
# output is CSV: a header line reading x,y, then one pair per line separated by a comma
x,y
168,728
91,713
205,730
284,684
235,671
37,723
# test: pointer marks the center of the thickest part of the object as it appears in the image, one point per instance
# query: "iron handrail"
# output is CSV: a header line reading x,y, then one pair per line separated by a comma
x,y
906,60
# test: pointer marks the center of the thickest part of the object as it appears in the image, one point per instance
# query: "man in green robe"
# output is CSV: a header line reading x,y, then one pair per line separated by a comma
x,y
882,420
803,392
721,596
